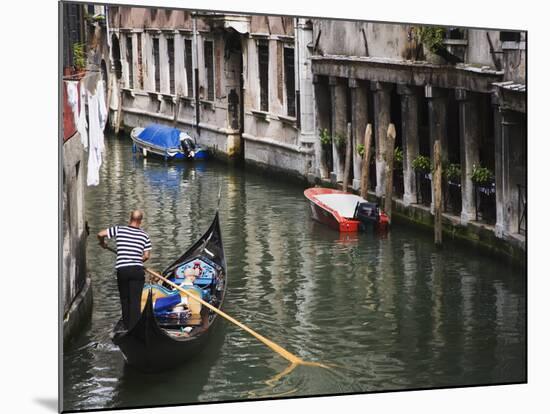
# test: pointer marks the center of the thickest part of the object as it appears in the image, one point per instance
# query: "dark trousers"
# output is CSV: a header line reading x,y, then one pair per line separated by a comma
x,y
130,285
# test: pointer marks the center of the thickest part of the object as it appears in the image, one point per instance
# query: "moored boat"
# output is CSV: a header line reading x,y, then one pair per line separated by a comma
x,y
166,142
342,211
173,327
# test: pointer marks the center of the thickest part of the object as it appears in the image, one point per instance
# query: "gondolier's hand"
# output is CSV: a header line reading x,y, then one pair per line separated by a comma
x,y
101,237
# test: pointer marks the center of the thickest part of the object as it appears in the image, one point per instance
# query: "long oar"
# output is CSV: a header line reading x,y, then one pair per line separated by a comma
x,y
294,360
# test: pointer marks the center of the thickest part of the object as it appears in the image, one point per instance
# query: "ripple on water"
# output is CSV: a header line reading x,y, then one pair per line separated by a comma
x,y
384,312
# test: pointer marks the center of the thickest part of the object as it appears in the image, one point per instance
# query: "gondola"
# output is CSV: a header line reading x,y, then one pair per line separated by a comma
x,y
162,339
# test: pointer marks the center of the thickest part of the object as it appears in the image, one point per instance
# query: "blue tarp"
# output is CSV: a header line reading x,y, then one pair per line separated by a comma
x,y
161,136
167,302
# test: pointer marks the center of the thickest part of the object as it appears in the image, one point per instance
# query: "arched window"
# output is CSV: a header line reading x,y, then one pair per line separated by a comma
x,y
116,56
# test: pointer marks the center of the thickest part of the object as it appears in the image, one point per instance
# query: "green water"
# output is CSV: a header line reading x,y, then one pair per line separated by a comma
x,y
389,312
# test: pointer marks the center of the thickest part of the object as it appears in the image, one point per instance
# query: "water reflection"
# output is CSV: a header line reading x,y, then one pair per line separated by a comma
x,y
389,312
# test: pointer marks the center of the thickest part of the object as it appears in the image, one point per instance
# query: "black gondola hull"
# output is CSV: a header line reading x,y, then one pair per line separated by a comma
x,y
147,346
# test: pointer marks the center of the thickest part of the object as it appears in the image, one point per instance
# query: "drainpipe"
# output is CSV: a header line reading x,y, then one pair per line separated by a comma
x,y
297,76
196,76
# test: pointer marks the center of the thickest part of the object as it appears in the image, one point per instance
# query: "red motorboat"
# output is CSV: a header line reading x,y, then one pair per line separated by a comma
x,y
342,211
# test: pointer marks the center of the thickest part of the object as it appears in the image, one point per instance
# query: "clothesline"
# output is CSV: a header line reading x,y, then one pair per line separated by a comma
x,y
91,133
77,77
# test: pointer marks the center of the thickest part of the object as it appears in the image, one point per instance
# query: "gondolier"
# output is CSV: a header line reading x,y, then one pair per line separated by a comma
x,y
166,333
133,248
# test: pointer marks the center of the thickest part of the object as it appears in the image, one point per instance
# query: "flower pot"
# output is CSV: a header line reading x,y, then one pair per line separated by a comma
x,y
431,57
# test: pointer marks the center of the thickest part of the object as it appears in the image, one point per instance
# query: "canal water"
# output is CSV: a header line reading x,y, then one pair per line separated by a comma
x,y
386,312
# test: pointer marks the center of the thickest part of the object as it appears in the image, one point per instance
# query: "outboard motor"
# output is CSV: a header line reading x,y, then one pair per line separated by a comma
x,y
368,214
188,146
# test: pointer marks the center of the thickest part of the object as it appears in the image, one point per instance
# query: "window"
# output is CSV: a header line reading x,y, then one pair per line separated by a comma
x,y
209,67
189,66
156,59
454,33
510,36
289,81
130,60
263,66
171,64
139,62
72,33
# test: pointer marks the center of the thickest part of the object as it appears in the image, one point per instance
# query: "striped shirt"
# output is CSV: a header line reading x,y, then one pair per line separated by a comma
x,y
131,242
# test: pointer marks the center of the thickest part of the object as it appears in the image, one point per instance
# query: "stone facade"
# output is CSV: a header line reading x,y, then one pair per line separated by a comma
x,y
211,82
262,88
76,284
471,98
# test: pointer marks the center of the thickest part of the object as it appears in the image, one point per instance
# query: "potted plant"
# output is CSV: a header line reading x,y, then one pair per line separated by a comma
x,y
340,142
422,164
422,167
326,142
452,173
324,136
361,150
481,176
398,158
398,171
431,38
79,57
484,179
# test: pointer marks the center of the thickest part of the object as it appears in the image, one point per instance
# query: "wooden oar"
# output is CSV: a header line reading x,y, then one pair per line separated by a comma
x,y
294,360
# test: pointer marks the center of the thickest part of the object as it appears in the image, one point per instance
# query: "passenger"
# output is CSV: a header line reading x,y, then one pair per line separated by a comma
x,y
190,276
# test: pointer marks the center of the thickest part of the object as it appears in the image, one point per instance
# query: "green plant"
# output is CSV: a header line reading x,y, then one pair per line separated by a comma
x,y
79,55
361,150
421,164
430,36
340,141
482,175
452,172
398,155
324,136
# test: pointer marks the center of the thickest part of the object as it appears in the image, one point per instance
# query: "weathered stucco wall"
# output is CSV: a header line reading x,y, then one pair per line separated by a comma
x,y
336,37
275,25
479,50
77,295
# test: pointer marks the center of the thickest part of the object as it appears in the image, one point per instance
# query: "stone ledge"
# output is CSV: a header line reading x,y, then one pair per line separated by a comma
x,y
272,142
474,234
79,312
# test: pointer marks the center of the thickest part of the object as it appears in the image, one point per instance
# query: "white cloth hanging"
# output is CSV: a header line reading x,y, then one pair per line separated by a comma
x,y
82,124
100,91
72,98
96,139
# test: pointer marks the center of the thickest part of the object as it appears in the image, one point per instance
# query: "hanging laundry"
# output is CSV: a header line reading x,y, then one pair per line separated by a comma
x,y
72,97
96,139
102,104
82,124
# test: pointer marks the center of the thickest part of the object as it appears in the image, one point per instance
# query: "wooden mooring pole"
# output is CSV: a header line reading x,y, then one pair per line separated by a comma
x,y
390,144
366,162
347,162
176,111
119,110
437,194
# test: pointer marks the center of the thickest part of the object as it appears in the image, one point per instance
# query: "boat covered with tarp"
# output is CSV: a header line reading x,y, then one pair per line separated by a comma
x,y
343,211
173,327
166,142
